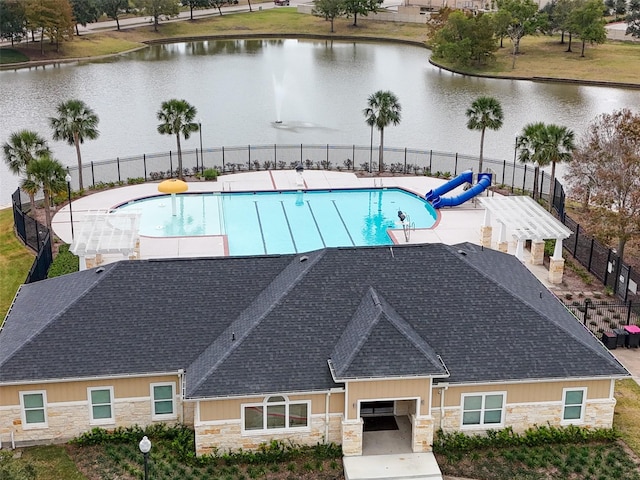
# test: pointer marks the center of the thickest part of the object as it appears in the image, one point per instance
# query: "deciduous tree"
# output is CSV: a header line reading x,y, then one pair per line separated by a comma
x,y
465,39
113,9
525,20
587,21
158,9
329,9
85,11
633,18
12,20
360,7
609,173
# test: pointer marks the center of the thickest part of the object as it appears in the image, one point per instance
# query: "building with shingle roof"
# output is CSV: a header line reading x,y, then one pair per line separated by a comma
x,y
250,349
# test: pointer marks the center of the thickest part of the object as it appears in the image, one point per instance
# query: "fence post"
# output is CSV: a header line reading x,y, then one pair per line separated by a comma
x,y
223,159
118,164
504,167
353,157
629,307
93,176
606,270
405,160
300,153
328,157
586,310
170,164
249,155
590,254
524,180
275,152
144,164
430,158
455,167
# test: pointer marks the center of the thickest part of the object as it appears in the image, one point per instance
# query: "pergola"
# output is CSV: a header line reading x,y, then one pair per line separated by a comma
x,y
526,219
107,232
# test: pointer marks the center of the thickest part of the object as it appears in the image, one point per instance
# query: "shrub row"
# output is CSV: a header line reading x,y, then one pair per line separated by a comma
x,y
532,437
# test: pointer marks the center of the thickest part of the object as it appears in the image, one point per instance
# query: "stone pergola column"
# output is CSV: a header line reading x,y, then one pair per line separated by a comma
x,y
556,264
352,437
486,231
422,438
537,252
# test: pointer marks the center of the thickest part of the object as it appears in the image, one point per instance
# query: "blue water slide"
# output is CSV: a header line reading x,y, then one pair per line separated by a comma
x,y
484,182
466,176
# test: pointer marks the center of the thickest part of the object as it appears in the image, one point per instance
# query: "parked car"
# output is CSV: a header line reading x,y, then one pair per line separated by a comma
x,y
281,2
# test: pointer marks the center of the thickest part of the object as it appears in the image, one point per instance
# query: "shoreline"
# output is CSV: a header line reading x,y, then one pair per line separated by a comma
x,y
342,37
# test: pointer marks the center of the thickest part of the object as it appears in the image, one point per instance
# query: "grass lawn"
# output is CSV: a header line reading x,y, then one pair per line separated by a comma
x,y
9,55
52,462
627,414
15,262
545,56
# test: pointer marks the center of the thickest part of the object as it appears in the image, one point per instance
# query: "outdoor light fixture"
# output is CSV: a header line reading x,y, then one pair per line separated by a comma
x,y
145,447
67,178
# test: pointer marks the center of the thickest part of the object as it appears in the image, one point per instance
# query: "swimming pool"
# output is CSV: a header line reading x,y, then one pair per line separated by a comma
x,y
258,223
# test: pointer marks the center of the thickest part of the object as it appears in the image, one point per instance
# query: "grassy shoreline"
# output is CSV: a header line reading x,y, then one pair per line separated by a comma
x,y
542,58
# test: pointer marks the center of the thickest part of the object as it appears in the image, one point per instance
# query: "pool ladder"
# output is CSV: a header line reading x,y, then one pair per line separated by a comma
x,y
407,227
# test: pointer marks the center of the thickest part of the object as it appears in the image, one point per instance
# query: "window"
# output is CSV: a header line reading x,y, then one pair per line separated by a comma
x,y
573,405
482,410
34,412
163,400
276,413
101,405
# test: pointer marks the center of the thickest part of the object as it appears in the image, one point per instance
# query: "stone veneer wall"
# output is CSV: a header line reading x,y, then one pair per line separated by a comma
x,y
352,437
68,420
422,435
226,435
597,414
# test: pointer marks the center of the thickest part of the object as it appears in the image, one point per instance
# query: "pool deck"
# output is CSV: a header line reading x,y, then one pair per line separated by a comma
x,y
455,225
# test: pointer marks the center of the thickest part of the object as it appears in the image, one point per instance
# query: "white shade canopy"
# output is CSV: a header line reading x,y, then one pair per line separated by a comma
x,y
103,232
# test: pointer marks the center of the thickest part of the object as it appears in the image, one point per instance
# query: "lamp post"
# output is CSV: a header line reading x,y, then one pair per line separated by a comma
x,y
201,152
515,154
68,180
145,447
371,152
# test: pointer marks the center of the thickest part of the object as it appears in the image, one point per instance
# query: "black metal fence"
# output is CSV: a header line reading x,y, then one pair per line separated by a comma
x,y
34,235
603,316
603,262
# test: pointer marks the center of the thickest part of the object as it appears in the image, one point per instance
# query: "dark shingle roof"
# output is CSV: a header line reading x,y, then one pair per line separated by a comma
x,y
376,327
481,311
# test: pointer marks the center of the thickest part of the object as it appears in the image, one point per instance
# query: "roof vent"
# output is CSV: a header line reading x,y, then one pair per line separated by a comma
x,y
303,258
462,252
99,269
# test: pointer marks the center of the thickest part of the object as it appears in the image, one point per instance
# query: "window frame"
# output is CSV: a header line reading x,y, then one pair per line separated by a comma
x,y
583,405
101,421
483,410
24,409
265,404
163,416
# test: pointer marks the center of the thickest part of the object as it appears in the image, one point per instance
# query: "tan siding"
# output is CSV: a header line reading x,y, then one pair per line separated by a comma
x,y
389,389
229,409
77,391
527,392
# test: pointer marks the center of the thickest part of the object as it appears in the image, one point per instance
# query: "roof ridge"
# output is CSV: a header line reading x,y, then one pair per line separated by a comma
x,y
6,354
233,336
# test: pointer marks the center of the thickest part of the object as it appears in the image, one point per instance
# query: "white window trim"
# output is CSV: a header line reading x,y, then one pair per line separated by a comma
x,y
23,412
264,404
174,411
573,421
101,421
482,425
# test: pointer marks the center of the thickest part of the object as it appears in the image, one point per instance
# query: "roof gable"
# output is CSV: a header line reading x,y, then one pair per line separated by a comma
x,y
374,328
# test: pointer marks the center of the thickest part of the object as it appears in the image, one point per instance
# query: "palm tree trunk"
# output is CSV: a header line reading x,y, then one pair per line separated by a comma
x,y
47,208
76,141
481,150
179,157
552,190
381,152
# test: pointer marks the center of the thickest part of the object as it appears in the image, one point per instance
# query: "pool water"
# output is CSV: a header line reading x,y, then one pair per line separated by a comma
x,y
284,222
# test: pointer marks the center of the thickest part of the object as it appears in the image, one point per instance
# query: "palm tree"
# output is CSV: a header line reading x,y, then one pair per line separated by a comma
x,y
382,110
47,174
546,145
485,112
75,122
22,148
177,119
